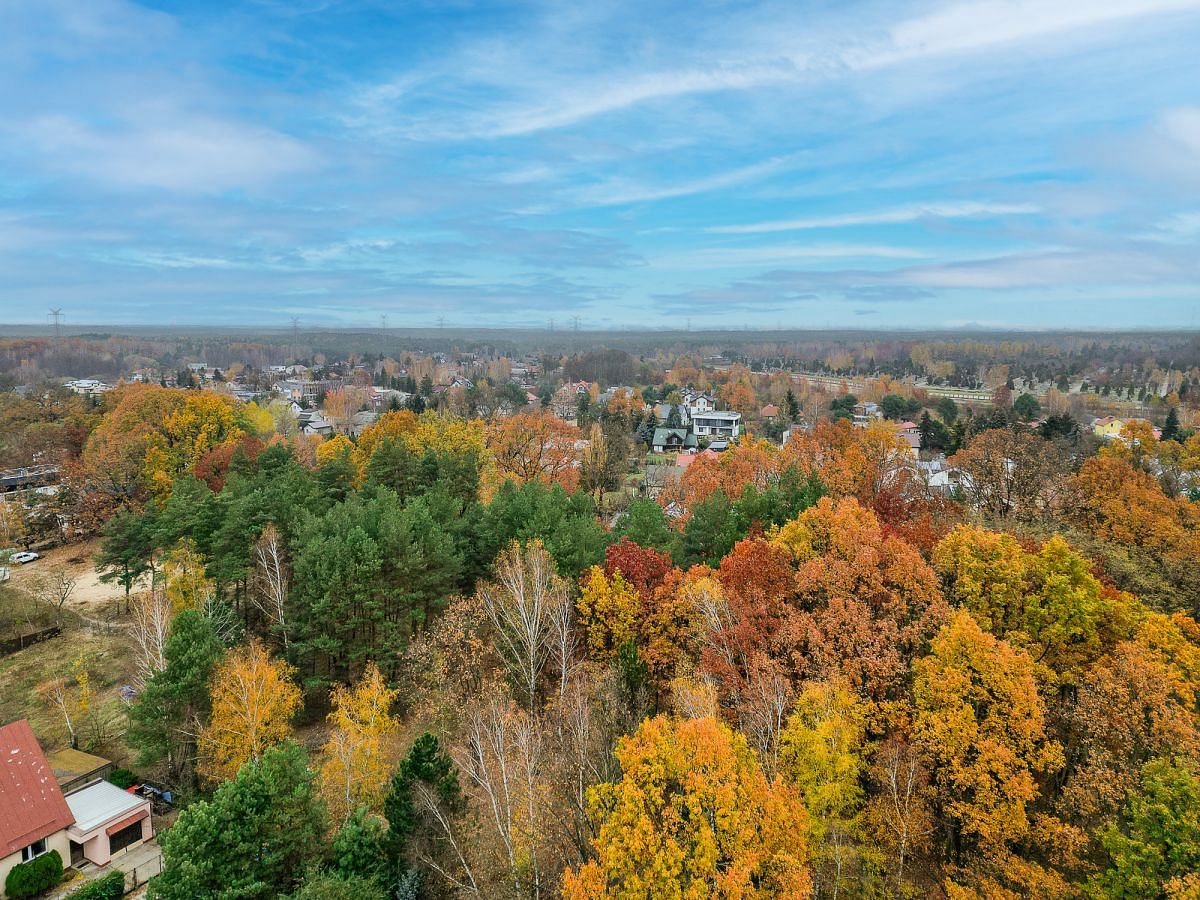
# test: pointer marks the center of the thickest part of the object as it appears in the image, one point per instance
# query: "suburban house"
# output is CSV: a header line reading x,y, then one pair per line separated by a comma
x,y
662,412
34,815
865,413
88,825
717,424
105,821
668,440
1110,427
769,413
698,402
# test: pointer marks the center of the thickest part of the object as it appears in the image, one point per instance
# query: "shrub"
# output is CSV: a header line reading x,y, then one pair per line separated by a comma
x,y
107,887
31,878
122,778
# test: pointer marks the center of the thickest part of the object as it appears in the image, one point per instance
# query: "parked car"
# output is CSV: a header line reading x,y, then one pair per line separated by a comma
x,y
25,556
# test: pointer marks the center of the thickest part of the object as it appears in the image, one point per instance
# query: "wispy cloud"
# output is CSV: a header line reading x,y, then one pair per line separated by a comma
x,y
896,215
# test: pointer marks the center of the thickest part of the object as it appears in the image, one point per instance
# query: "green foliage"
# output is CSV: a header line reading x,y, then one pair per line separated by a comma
x,y
645,523
1158,838
896,408
1027,407
252,840
408,825
330,886
710,532
358,847
164,720
107,887
126,548
565,523
122,778
842,407
32,878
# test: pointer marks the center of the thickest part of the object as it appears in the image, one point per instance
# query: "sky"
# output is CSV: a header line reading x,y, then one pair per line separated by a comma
x,y
704,164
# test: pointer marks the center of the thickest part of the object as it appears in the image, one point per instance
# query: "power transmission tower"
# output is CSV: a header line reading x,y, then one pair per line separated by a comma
x,y
56,314
295,336
575,322
441,321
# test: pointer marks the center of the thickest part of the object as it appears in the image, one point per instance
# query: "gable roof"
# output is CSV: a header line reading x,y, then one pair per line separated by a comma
x,y
31,803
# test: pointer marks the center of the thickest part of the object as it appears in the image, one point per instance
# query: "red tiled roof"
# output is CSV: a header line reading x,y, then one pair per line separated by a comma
x,y
31,803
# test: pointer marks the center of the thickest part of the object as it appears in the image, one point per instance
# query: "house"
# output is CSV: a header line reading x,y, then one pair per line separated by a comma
x,y
717,423
34,815
698,402
1108,427
865,413
662,412
672,439
88,387
769,413
910,433
88,825
106,821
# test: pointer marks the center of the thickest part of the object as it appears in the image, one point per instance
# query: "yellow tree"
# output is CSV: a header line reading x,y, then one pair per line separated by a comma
x,y
822,751
981,723
359,753
184,582
693,817
608,609
253,702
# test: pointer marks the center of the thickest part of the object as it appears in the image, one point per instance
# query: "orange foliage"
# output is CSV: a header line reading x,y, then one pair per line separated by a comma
x,y
536,446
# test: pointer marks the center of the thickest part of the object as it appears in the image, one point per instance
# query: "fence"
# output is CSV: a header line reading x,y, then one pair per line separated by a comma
x,y
12,645
142,872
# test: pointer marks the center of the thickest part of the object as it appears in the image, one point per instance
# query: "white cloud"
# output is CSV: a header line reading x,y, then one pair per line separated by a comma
x,y
727,257
976,26
179,152
896,215
621,191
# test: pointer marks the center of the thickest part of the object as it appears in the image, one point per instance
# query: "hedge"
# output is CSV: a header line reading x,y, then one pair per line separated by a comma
x,y
107,887
39,874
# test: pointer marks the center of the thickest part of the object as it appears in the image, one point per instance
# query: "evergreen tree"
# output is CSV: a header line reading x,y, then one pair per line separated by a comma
x,y
252,840
1170,430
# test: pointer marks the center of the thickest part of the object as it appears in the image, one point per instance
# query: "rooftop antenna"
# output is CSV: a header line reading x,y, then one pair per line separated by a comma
x,y
56,314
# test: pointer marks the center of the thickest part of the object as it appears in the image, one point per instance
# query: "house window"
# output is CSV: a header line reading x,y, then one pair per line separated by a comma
x,y
37,848
130,834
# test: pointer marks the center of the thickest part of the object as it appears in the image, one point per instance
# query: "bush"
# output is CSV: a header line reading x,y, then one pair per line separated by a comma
x,y
122,778
108,887
31,878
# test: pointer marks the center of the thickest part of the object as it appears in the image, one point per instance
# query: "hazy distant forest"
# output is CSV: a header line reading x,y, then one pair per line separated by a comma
x,y
482,640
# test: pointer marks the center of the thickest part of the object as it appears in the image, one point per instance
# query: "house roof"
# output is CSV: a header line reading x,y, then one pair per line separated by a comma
x,y
100,803
31,802
662,434
769,410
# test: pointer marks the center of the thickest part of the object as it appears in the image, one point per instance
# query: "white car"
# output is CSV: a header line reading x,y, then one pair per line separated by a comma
x,y
25,556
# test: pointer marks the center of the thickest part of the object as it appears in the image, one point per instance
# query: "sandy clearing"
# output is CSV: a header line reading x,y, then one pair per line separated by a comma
x,y
90,594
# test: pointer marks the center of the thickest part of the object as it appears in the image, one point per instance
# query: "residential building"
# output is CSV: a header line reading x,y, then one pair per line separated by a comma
x,y
865,413
662,412
769,412
34,815
93,822
667,440
1108,427
698,402
106,821
717,423
88,387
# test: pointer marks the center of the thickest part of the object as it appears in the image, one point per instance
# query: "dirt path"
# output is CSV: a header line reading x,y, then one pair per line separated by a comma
x,y
90,595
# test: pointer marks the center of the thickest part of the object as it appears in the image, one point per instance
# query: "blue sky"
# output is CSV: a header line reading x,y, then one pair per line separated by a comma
x,y
1013,163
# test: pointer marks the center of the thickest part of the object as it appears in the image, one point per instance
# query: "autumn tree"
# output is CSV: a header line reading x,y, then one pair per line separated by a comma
x,y
981,723
1010,473
271,582
692,815
536,446
1046,601
823,753
253,702
358,753
865,601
